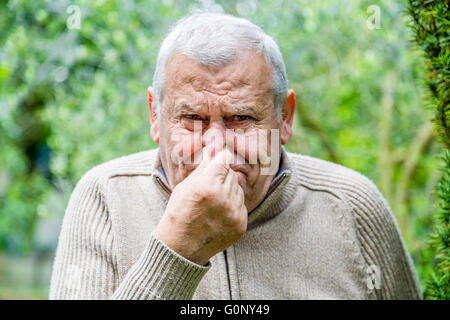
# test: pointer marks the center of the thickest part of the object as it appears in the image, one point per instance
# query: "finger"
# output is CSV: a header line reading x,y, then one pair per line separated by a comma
x,y
233,188
239,194
228,183
231,181
205,160
244,211
235,180
224,157
219,165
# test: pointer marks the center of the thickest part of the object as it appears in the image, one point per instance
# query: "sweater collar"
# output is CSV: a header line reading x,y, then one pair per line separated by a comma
x,y
280,192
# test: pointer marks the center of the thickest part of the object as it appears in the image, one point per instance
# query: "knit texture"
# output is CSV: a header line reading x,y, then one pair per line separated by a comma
x,y
323,232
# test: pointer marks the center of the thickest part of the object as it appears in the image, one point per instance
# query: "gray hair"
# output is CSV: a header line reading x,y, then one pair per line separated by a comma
x,y
216,39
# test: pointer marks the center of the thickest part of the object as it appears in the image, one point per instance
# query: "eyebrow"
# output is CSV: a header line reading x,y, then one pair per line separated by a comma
x,y
243,109
185,107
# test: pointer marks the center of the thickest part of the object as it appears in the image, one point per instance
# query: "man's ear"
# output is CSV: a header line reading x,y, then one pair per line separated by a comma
x,y
287,117
154,121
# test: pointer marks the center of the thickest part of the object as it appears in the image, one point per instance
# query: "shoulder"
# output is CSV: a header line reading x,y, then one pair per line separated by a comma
x,y
349,186
135,163
358,197
91,189
139,163
375,227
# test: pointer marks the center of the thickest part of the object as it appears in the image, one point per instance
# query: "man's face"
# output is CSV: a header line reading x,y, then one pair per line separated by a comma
x,y
219,107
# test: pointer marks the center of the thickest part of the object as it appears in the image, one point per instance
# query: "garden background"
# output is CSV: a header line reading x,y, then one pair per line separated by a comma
x,y
73,96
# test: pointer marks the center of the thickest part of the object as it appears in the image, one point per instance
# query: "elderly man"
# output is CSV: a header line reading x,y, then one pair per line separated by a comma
x,y
220,210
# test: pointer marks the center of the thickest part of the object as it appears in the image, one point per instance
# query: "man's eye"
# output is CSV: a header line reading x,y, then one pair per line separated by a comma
x,y
192,117
240,118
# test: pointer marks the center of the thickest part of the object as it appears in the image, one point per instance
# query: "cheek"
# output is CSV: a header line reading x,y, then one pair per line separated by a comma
x,y
185,147
256,145
247,146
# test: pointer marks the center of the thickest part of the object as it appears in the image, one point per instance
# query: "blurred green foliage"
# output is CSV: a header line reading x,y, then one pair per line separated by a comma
x,y
430,21
73,98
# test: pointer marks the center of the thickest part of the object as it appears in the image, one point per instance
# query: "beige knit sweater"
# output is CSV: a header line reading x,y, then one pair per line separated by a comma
x,y
322,232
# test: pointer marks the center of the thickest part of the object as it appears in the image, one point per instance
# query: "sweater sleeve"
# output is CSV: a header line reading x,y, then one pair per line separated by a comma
x,y
85,265
389,267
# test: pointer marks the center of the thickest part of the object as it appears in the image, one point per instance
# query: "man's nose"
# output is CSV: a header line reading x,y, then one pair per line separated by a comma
x,y
214,138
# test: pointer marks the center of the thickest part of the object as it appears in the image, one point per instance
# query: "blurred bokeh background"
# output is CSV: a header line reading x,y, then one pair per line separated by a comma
x,y
74,96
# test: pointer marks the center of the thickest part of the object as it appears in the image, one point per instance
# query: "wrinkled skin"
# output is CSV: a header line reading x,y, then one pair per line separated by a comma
x,y
208,208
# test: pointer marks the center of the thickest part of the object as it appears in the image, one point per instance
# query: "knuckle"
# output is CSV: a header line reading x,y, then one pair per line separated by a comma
x,y
239,225
241,228
203,194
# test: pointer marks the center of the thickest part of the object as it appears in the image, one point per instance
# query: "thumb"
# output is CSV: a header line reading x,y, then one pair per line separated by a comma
x,y
220,165
224,157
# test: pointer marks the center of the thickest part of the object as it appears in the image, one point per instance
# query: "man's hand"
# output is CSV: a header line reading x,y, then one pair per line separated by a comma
x,y
206,212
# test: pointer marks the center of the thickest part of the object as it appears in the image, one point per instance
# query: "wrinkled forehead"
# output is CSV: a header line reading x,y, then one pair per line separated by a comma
x,y
250,71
